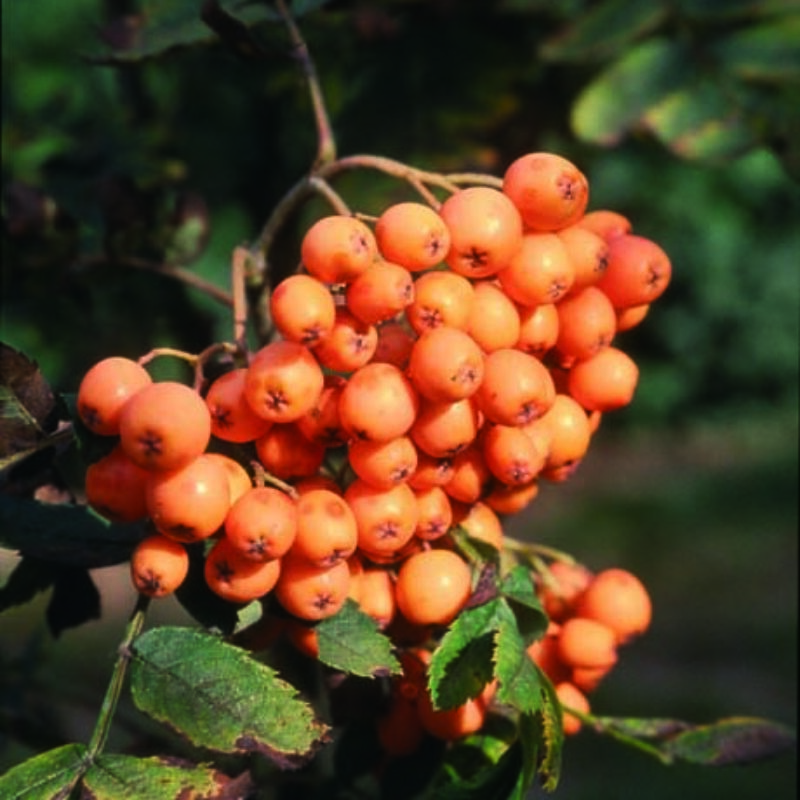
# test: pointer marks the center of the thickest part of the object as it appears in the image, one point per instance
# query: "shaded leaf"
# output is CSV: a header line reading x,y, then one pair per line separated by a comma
x,y
494,782
714,10
613,103
519,591
476,550
28,577
604,29
548,733
75,600
220,698
119,777
44,776
65,534
351,641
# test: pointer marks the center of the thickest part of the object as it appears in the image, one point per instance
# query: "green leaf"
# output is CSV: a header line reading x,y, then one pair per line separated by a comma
x,y
494,782
220,698
718,12
519,591
766,52
66,534
733,740
119,777
617,99
44,776
462,664
701,120
75,600
28,577
351,641
604,30
549,735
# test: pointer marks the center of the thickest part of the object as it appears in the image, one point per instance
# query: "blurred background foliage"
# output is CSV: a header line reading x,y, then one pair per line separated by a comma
x,y
138,141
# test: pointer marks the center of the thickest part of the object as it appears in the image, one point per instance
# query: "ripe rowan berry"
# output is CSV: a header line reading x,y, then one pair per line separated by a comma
x,y
455,723
338,248
430,471
485,230
381,292
494,321
190,503
587,323
239,481
571,697
471,475
446,364
568,432
588,252
511,455
443,429
287,454
638,271
539,271
412,235
115,487
618,599
105,389
321,424
441,297
327,529
435,513
283,381
549,190
164,426
544,653
232,417
349,345
480,521
376,595
605,382
538,329
394,344
383,464
505,499
302,309
631,316
378,403
605,223
584,642
237,578
312,592
262,523
433,586
561,588
158,565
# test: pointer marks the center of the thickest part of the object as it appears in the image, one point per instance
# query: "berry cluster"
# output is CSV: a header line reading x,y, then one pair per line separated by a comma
x,y
431,367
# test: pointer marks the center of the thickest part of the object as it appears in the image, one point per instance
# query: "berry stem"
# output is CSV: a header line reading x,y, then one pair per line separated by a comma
x,y
262,478
197,362
103,725
531,550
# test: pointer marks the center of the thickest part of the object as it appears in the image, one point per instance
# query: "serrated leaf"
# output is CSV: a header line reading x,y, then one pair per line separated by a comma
x,y
462,663
122,777
350,641
766,52
476,550
616,100
65,534
519,591
734,740
220,698
604,29
520,683
44,776
550,736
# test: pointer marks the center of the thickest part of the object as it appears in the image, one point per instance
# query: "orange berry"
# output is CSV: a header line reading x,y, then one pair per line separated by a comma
x,y
638,271
317,482
164,426
516,387
381,292
561,589
303,636
605,223
544,653
505,499
586,324
311,592
485,230
349,345
430,471
262,523
480,521
549,190
190,503
604,382
412,235
236,578
399,730
386,518
378,403
571,697
326,528
394,344
538,329
435,513
433,586
321,424
376,595
283,381
441,297
587,679
511,455
115,487
494,321
303,309
567,431
383,464
446,364
443,429
232,417
540,271
105,389
239,480
338,248
631,316
455,723
588,253
471,476
619,600
158,565
287,454
584,642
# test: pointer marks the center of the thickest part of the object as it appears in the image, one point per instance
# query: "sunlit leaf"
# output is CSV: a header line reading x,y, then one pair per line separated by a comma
x,y
604,29
220,698
44,776
616,100
350,641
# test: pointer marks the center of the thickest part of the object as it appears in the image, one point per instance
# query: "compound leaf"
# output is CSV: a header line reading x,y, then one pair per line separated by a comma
x,y
350,641
221,698
44,776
